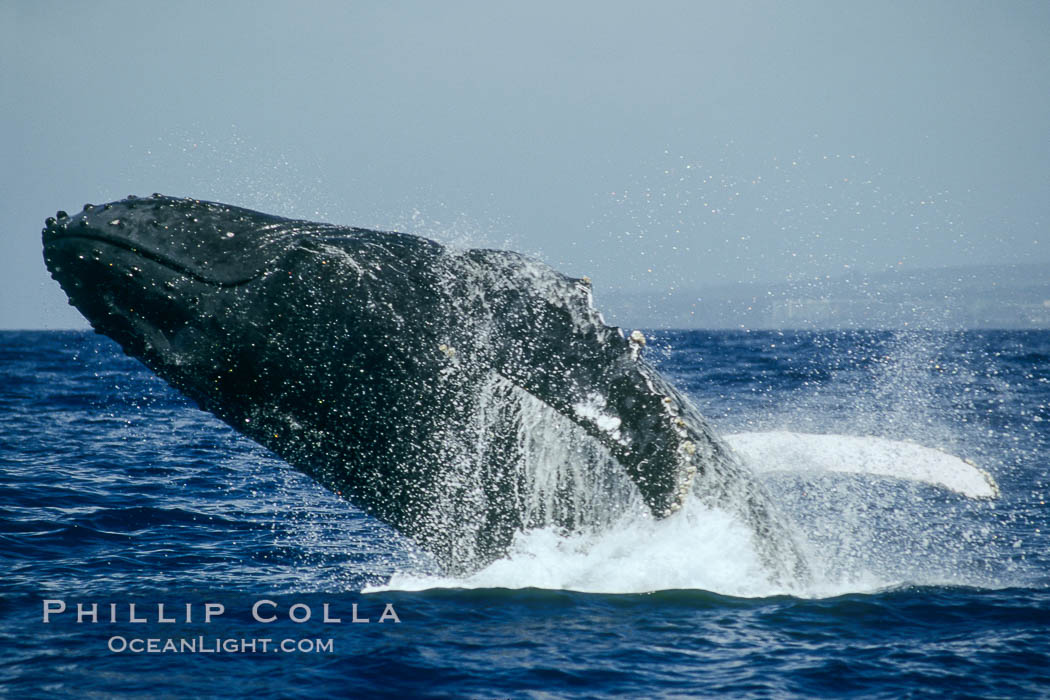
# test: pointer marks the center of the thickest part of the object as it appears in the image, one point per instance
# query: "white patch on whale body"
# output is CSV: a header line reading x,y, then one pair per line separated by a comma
x,y
593,410
805,452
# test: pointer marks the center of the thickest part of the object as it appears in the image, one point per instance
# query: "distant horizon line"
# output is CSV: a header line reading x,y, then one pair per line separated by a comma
x,y
720,329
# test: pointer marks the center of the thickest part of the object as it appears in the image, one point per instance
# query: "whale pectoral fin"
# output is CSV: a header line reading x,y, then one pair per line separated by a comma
x,y
658,458
658,437
783,451
664,441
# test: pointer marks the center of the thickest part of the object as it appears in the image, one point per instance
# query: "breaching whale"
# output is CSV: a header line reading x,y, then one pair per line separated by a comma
x,y
400,373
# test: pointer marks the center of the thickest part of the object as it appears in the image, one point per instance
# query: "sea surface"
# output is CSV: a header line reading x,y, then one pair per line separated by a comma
x,y
115,491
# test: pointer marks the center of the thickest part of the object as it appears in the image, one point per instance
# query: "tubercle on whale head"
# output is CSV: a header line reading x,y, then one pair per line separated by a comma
x,y
636,342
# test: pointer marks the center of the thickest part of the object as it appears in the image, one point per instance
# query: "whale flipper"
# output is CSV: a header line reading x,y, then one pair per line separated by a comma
x,y
784,451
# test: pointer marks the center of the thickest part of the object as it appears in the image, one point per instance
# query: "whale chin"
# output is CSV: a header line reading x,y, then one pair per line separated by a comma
x,y
428,386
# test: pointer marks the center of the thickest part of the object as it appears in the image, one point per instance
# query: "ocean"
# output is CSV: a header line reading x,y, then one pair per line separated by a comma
x,y
148,550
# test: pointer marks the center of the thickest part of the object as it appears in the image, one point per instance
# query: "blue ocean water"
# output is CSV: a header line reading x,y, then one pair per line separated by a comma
x,y
116,491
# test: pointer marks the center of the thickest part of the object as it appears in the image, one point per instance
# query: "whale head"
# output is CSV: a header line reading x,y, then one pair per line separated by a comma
x,y
314,340
138,268
199,291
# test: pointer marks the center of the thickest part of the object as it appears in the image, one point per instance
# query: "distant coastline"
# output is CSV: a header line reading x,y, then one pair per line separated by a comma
x,y
974,297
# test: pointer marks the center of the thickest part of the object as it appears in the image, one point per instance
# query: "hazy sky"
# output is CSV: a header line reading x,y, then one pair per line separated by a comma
x,y
649,145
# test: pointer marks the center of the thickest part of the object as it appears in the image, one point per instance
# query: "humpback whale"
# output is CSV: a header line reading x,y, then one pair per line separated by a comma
x,y
402,374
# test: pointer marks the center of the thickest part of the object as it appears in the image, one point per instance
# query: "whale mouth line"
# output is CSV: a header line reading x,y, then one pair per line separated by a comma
x,y
155,257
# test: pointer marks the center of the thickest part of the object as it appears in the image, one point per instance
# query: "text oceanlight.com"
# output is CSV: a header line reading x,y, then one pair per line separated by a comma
x,y
216,645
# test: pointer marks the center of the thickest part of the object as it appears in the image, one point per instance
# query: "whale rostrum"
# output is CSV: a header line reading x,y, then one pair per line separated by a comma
x,y
460,396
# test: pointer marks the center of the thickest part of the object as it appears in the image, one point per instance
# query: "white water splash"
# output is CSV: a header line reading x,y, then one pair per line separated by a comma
x,y
703,548
697,548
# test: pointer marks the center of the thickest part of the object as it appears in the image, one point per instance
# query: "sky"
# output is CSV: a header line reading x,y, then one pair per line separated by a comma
x,y
651,146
